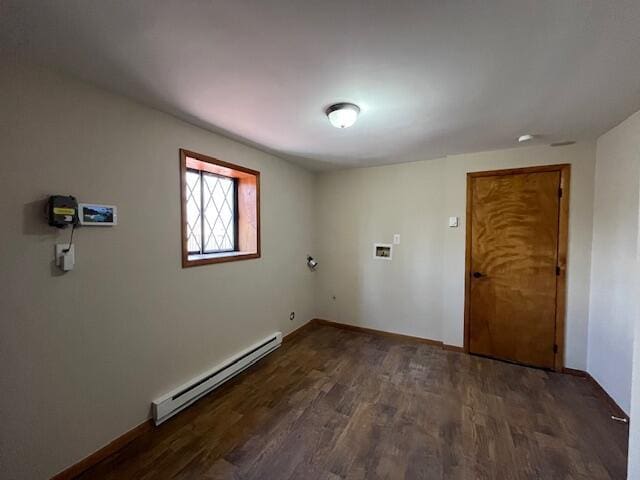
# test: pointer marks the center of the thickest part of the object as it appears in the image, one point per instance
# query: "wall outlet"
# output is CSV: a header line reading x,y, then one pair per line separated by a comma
x,y
292,316
65,256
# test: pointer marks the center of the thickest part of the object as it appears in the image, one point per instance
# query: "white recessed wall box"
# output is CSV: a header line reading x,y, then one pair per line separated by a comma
x,y
382,251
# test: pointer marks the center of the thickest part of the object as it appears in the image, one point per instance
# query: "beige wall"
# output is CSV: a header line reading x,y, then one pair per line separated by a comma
x,y
614,293
83,354
634,428
358,207
421,291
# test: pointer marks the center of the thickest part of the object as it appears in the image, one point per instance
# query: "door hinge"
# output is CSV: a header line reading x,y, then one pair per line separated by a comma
x,y
558,271
560,192
555,349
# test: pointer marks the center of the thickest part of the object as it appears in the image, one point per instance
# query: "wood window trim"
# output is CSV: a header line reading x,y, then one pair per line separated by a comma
x,y
563,240
248,203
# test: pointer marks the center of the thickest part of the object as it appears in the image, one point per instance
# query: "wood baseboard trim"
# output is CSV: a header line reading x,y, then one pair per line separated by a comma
x,y
373,331
575,373
453,348
397,336
613,405
96,457
293,334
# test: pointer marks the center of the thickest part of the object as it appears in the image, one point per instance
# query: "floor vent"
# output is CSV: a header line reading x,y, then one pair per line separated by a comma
x,y
183,396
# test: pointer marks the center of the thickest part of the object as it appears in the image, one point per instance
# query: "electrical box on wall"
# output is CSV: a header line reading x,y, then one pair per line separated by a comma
x,y
62,210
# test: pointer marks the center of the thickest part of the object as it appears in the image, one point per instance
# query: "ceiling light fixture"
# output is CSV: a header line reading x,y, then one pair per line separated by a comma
x,y
343,115
525,138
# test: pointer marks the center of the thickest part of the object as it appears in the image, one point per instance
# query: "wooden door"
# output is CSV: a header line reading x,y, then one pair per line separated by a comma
x,y
516,244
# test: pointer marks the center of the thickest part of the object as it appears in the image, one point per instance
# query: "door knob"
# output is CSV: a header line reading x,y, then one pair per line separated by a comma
x,y
478,274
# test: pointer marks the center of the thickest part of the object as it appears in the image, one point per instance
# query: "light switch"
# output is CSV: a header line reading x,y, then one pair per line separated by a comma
x,y
396,239
453,222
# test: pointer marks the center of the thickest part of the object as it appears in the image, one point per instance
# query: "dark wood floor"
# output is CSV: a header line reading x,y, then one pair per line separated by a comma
x,y
334,404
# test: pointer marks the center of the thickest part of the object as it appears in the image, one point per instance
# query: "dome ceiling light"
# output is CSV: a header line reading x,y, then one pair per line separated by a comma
x,y
343,115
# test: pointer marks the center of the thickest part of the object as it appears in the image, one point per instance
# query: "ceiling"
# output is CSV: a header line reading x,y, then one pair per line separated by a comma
x,y
431,77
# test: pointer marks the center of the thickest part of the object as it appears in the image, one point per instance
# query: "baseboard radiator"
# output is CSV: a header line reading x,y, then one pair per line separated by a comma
x,y
183,396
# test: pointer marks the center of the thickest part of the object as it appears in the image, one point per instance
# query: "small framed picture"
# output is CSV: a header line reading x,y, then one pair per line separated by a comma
x,y
97,215
382,251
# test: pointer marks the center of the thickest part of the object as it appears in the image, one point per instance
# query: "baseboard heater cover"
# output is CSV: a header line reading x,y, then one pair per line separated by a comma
x,y
183,396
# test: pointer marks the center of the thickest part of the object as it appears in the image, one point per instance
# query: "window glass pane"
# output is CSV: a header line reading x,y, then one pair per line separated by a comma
x,y
193,194
218,215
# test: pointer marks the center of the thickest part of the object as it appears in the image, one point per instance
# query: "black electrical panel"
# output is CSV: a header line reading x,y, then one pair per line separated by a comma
x,y
62,210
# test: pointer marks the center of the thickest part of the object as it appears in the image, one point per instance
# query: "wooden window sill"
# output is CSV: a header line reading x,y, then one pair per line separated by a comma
x,y
209,258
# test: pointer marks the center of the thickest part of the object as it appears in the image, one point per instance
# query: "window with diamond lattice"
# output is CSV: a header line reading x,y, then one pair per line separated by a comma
x,y
211,207
220,210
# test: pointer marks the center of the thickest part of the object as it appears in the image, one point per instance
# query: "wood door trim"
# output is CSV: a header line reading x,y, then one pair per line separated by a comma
x,y
563,236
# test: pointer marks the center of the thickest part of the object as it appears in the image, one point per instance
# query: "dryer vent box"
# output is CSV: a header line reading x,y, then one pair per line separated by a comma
x,y
382,251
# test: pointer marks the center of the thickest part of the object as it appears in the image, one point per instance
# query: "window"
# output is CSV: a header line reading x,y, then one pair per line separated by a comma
x,y
211,207
220,210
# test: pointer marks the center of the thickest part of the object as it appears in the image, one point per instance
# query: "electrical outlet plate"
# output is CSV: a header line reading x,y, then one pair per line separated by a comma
x,y
60,254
